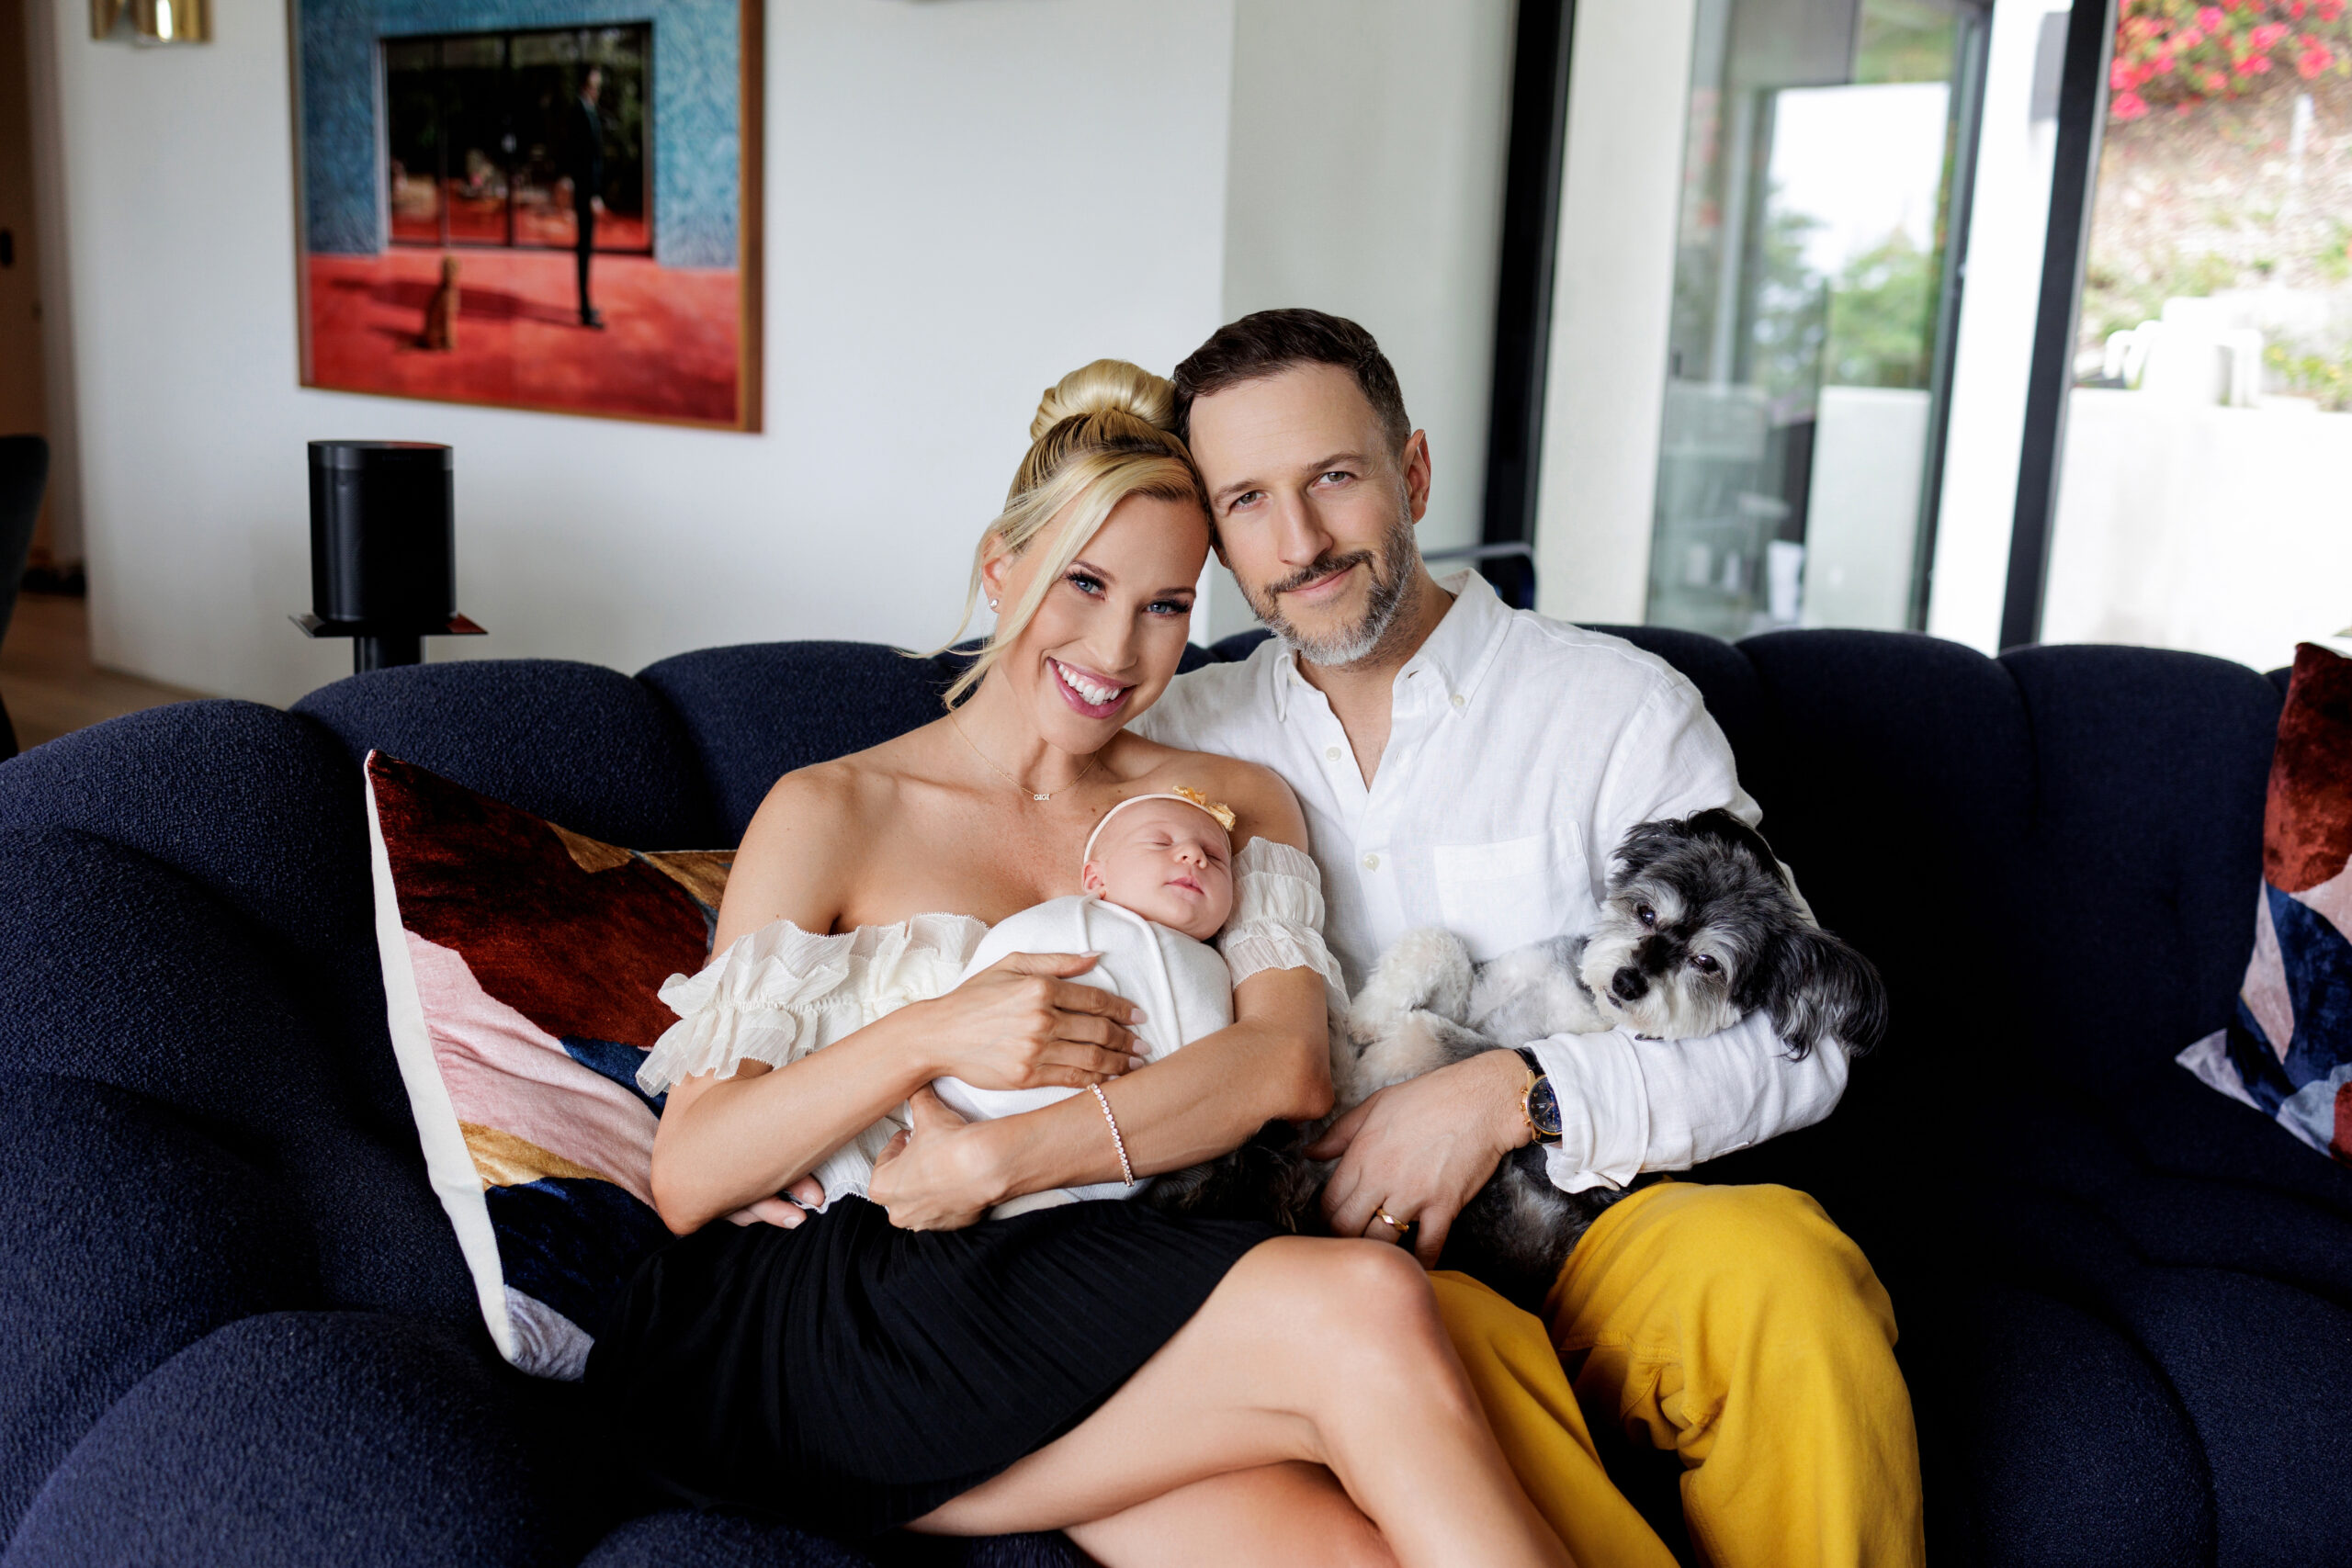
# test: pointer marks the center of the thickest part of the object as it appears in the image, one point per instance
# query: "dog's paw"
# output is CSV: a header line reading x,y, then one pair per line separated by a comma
x,y
1425,970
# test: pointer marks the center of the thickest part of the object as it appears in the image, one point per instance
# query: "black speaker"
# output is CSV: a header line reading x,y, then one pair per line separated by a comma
x,y
383,548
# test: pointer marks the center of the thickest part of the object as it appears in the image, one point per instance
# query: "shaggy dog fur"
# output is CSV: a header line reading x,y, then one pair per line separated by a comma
x,y
1700,929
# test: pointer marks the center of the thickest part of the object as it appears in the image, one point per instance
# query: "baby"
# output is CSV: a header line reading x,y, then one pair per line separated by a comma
x,y
1157,872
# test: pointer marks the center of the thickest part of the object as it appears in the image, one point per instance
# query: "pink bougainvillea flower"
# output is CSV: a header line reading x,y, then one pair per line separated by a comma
x,y
2210,17
2215,81
2127,106
2266,36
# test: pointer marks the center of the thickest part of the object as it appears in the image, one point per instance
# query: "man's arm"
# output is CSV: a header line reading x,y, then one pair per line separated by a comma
x,y
1631,1105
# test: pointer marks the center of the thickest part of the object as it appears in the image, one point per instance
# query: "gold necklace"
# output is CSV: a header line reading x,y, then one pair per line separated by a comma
x,y
957,725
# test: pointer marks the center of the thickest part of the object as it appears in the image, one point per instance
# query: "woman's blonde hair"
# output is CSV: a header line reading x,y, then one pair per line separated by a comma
x,y
1103,432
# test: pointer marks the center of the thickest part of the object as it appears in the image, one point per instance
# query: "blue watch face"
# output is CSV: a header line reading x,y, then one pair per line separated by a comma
x,y
1544,1109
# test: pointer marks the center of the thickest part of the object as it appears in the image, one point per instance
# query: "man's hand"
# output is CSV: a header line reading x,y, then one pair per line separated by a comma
x,y
1421,1149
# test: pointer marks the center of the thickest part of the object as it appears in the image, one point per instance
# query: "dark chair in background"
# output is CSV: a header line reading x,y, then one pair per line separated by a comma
x,y
24,473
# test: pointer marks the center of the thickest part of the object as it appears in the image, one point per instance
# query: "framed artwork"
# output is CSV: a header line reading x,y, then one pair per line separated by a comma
x,y
534,204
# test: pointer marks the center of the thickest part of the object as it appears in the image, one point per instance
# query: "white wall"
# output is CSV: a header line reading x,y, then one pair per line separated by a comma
x,y
963,202
1613,287
2218,530
1365,177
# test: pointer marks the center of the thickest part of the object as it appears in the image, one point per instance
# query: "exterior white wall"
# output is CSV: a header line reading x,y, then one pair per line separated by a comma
x,y
1613,290
963,202
2218,530
1365,177
1994,354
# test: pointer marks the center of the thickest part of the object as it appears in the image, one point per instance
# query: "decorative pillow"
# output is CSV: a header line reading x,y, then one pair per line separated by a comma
x,y
520,967
2289,1053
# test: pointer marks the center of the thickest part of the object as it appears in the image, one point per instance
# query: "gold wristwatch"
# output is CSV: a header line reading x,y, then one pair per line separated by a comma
x,y
1537,1102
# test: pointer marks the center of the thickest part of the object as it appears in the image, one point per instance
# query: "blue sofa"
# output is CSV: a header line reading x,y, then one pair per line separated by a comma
x,y
236,1328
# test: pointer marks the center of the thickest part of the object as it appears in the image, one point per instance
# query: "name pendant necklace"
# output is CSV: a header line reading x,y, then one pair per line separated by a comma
x,y
957,725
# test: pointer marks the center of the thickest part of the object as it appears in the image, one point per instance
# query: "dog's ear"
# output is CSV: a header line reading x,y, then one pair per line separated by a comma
x,y
1732,833
1643,846
1821,989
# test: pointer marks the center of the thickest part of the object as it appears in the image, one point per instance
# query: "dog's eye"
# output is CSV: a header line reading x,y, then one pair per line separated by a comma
x,y
1644,913
1704,963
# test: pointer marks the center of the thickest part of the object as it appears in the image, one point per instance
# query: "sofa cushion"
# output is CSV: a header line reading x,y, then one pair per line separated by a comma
x,y
521,963
574,744
299,1439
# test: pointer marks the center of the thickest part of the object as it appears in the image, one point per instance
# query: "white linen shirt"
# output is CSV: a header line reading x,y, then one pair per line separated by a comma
x,y
1520,750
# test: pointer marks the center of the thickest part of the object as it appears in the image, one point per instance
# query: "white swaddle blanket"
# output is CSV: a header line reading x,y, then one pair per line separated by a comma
x,y
1182,984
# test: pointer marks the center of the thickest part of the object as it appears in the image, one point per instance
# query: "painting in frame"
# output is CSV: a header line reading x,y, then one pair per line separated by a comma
x,y
535,204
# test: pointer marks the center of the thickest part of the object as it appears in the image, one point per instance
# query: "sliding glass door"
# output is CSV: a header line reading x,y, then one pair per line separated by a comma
x,y
1815,290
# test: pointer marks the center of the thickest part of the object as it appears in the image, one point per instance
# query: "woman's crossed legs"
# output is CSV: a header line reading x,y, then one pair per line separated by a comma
x,y
1308,1353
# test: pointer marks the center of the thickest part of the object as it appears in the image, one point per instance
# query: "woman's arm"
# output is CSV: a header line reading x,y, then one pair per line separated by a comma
x,y
727,1141
1273,1062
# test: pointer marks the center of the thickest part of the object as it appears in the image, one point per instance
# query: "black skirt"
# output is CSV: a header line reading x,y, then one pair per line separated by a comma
x,y
848,1376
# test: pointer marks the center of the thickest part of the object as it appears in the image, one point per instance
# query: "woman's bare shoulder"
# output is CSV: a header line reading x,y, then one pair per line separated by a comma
x,y
798,856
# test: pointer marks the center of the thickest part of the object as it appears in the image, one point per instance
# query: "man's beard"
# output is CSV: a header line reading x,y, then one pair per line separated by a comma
x,y
1392,569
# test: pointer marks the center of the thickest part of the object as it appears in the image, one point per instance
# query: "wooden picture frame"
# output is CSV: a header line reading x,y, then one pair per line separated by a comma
x,y
450,155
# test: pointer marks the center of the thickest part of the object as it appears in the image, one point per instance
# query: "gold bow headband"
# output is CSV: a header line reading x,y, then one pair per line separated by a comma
x,y
1217,808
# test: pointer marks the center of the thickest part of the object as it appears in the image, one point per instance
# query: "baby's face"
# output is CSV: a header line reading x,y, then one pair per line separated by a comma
x,y
1167,862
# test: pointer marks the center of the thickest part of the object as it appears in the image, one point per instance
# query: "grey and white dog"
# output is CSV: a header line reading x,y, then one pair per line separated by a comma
x,y
1699,929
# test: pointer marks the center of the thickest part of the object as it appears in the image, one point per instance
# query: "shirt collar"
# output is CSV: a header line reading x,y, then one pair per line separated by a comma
x,y
1459,650
1464,641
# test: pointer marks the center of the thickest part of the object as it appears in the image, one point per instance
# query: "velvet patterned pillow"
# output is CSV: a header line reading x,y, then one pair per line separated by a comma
x,y
2289,1053
520,967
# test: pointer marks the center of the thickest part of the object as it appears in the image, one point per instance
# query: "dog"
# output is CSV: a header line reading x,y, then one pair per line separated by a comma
x,y
441,311
1699,929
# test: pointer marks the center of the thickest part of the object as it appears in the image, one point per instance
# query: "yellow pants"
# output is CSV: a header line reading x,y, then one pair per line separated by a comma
x,y
1734,1325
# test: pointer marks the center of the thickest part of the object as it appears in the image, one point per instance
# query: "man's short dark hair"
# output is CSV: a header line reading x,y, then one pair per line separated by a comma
x,y
1267,342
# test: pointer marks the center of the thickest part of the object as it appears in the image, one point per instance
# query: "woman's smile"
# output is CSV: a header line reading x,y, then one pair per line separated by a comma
x,y
1095,696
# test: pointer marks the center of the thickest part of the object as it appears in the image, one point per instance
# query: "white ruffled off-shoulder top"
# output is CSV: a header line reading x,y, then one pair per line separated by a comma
x,y
782,992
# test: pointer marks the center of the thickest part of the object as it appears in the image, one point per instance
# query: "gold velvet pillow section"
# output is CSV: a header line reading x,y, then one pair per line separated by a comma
x,y
521,963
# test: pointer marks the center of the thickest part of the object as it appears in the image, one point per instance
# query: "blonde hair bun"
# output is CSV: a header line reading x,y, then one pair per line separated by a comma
x,y
1107,387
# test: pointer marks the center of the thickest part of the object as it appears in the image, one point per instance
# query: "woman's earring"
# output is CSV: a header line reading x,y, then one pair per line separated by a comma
x,y
991,603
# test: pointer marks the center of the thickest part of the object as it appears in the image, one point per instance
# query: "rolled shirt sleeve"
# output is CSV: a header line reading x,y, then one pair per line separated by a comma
x,y
1628,1105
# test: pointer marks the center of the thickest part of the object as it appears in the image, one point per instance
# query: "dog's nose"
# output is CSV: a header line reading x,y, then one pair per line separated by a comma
x,y
1629,984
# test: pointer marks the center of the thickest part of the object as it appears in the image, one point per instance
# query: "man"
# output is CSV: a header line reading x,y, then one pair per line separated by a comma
x,y
1467,766
584,165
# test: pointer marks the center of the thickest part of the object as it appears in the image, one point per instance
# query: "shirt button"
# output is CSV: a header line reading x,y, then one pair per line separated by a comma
x,y
1371,862
1461,701
1332,753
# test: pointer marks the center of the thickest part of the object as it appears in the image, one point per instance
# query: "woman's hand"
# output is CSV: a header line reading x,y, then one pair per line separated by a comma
x,y
935,1176
787,1210
1021,1023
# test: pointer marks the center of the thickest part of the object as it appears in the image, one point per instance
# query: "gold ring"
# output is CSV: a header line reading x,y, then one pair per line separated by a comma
x,y
1391,1221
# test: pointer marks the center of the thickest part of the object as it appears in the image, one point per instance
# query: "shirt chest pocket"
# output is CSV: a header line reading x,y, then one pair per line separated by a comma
x,y
1500,895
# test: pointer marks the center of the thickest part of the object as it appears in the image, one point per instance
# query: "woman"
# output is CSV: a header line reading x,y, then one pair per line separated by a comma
x,y
1166,1391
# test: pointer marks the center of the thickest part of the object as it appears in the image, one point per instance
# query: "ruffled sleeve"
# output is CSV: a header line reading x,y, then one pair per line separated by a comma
x,y
1277,921
762,999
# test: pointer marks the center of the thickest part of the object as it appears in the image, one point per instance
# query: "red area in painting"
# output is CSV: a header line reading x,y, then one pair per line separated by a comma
x,y
668,350
2341,1148
2306,822
577,952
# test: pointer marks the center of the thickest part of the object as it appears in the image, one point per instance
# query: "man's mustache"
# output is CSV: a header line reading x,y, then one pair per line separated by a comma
x,y
1322,568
